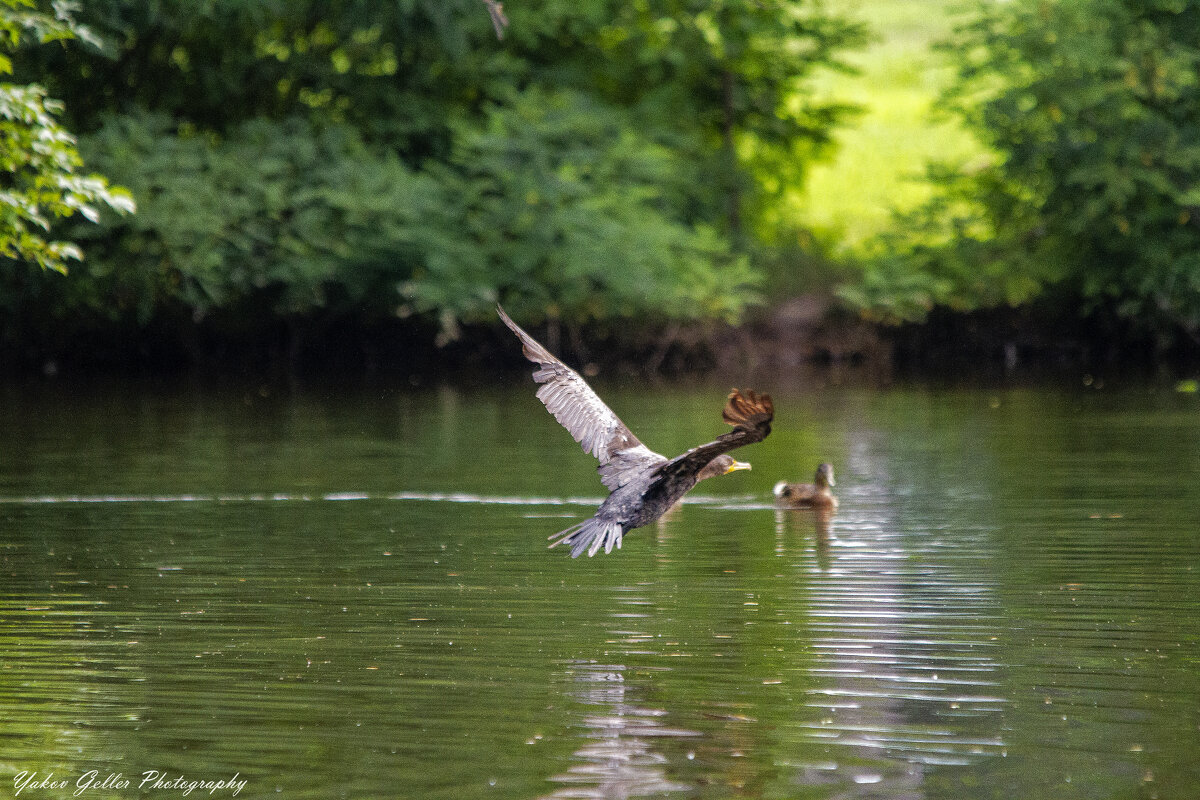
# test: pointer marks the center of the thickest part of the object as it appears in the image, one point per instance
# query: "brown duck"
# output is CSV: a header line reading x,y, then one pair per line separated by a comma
x,y
808,495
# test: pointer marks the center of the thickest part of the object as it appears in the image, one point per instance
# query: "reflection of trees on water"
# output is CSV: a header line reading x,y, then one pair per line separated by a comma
x,y
618,759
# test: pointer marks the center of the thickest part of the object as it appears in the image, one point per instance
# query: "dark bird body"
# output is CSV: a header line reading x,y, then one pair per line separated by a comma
x,y
642,483
809,495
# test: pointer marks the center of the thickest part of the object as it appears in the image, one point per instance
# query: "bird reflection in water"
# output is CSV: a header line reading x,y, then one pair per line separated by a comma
x,y
618,760
800,521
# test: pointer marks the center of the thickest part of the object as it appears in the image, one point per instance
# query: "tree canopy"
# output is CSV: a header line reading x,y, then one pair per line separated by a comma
x,y
1092,111
38,157
318,158
302,164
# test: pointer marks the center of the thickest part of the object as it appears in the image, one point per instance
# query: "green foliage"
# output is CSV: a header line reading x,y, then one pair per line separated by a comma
x,y
38,157
949,252
300,217
559,204
605,159
728,86
396,71
1093,109
541,204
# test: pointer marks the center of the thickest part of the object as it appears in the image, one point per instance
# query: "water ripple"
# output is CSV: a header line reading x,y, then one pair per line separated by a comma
x,y
619,758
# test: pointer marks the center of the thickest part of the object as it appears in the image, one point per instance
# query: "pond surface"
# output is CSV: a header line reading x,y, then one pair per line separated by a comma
x,y
347,593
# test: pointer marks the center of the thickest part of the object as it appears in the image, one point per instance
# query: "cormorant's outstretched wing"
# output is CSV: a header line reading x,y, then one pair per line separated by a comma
x,y
585,416
749,413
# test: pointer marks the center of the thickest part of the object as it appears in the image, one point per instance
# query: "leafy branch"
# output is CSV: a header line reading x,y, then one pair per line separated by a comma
x,y
39,161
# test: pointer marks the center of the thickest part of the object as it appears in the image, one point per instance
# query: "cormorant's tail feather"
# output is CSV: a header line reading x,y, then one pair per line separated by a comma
x,y
590,535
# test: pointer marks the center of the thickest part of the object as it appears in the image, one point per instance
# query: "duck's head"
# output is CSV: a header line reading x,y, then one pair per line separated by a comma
x,y
825,475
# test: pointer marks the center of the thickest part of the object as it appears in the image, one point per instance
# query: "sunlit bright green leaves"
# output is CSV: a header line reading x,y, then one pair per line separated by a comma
x,y
39,164
1093,109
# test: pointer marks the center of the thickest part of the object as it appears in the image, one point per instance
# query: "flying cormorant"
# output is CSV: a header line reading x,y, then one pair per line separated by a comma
x,y
642,483
809,495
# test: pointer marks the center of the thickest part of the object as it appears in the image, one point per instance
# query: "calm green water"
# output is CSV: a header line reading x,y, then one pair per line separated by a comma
x,y
347,594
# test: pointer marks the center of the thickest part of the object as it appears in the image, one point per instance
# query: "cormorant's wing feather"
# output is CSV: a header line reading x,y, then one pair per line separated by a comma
x,y
585,416
749,413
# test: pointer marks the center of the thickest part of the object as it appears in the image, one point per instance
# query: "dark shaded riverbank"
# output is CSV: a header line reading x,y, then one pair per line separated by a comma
x,y
798,333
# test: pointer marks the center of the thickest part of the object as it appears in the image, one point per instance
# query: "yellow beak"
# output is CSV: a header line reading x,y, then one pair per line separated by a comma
x,y
736,465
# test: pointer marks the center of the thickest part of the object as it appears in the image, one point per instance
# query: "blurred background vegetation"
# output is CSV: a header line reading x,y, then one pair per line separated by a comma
x,y
342,180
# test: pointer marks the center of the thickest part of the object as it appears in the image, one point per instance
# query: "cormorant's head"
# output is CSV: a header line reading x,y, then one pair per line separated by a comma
x,y
825,475
722,465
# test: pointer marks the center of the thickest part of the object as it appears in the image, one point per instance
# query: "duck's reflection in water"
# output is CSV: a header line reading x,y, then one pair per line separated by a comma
x,y
791,523
618,759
